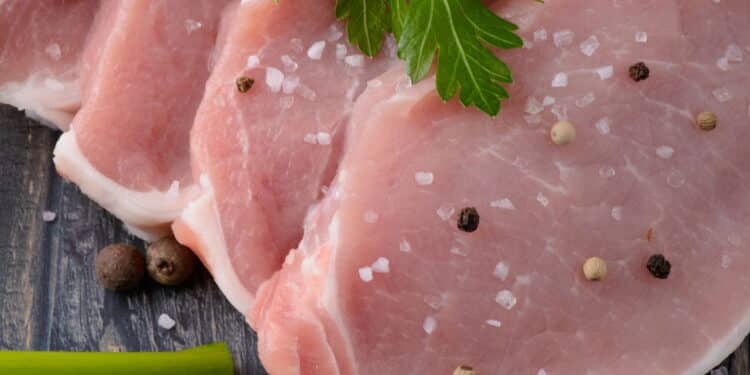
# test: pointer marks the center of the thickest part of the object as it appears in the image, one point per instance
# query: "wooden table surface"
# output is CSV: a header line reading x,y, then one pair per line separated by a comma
x,y
49,298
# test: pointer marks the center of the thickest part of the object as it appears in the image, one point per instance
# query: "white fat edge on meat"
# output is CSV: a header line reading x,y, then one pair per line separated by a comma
x,y
147,213
201,215
45,98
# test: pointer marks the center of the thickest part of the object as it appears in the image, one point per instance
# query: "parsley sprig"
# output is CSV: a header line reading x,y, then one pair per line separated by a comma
x,y
460,32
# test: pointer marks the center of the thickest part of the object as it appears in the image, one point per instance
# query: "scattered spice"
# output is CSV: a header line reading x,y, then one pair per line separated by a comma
x,y
649,234
595,269
170,263
706,121
562,133
639,71
658,266
244,84
119,267
464,370
468,219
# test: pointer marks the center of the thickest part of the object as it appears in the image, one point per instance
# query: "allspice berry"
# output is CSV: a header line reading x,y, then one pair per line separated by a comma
x,y
658,266
706,121
562,133
464,370
170,263
120,267
639,71
595,269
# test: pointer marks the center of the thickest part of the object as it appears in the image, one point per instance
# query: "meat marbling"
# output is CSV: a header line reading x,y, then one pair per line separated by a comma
x,y
144,71
263,156
383,282
40,52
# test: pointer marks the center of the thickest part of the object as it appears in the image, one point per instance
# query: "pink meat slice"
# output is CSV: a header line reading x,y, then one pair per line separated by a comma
x,y
383,281
144,71
264,156
41,43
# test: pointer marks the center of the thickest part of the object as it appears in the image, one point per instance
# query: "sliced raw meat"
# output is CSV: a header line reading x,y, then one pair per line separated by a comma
x,y
41,43
144,72
263,156
384,282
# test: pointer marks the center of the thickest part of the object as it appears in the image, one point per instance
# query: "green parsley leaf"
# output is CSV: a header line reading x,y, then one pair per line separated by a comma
x,y
460,32
457,28
369,21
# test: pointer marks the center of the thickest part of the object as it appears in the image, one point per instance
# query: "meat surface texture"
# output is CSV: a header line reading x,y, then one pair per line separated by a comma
x,y
383,282
40,51
265,155
144,70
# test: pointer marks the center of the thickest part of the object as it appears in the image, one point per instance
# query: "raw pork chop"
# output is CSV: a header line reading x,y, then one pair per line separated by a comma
x,y
40,50
384,282
145,68
263,156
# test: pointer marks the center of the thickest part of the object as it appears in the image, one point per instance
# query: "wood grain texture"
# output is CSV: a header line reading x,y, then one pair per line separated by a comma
x,y
49,299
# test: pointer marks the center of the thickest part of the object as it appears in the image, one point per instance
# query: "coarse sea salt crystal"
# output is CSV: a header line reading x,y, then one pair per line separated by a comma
x,y
589,46
192,25
53,50
381,265
722,63
315,52
365,274
544,201
334,33
506,299
605,72
560,80
323,138
445,212
429,325
274,79
166,322
340,51
541,372
722,94
616,213
253,61
540,35
290,84
296,44
404,246
563,38
548,101
504,203
494,323
560,111
585,100
48,216
371,216
355,60
602,125
501,271
641,36
424,178
664,152
533,106
607,171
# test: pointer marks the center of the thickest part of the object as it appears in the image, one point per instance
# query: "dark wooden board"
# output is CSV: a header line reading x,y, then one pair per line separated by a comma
x,y
49,299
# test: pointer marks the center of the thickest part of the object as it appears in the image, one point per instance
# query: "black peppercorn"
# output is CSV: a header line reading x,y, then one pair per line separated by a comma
x,y
244,84
468,220
639,71
658,266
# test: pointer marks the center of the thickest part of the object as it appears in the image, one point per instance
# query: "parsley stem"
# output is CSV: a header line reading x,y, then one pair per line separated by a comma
x,y
207,359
